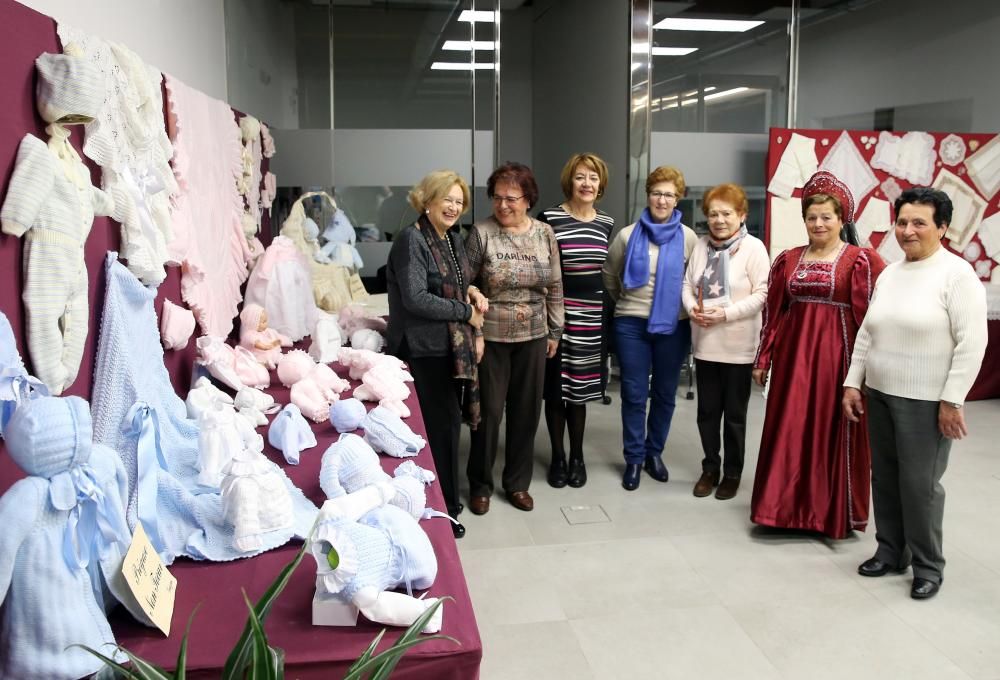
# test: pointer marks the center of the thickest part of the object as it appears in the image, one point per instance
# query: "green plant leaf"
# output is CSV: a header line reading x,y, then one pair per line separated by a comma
x,y
382,665
119,668
391,656
262,666
241,655
145,669
368,653
180,673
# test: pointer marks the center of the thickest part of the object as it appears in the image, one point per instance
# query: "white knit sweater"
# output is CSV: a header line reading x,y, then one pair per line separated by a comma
x,y
924,336
735,340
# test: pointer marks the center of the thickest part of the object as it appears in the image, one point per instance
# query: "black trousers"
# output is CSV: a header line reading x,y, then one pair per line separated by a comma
x,y
440,397
723,395
511,376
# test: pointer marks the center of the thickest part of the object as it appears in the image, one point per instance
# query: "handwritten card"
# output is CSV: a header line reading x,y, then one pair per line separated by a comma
x,y
152,585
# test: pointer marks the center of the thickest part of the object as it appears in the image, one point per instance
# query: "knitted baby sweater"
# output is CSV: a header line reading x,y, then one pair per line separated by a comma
x,y
52,204
128,139
384,550
137,414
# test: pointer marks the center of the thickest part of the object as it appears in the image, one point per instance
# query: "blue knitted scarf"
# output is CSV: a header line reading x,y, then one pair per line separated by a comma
x,y
669,236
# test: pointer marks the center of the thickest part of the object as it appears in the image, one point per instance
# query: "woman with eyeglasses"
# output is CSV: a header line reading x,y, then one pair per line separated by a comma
x,y
514,261
644,275
575,375
434,318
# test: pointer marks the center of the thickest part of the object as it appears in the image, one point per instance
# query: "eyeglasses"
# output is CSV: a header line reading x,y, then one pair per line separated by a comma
x,y
665,195
453,202
509,200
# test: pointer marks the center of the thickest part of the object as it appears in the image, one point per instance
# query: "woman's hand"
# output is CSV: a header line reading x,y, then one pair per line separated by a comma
x,y
480,347
478,300
951,421
759,376
550,347
477,318
853,403
709,317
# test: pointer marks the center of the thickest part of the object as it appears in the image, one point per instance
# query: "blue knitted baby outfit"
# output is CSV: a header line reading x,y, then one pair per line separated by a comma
x,y
137,413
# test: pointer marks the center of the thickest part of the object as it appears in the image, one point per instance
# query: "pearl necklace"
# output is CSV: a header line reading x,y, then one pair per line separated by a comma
x,y
458,270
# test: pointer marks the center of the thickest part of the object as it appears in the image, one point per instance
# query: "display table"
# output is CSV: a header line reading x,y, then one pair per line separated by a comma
x,y
310,651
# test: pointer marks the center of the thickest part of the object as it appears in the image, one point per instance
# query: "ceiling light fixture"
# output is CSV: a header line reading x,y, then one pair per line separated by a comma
x,y
469,45
641,48
459,66
476,15
725,93
725,25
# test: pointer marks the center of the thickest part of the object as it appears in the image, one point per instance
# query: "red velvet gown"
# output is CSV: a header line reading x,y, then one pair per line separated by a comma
x,y
814,466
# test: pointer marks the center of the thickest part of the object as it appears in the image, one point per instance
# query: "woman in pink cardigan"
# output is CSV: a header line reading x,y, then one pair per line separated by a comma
x,y
725,288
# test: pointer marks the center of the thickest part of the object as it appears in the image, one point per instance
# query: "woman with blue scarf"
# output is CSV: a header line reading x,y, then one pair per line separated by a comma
x,y
644,274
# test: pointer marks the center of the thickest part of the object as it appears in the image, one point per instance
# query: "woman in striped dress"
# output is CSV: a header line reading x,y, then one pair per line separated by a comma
x,y
575,374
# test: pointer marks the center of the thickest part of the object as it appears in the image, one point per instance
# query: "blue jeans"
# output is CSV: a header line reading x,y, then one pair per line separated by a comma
x,y
648,361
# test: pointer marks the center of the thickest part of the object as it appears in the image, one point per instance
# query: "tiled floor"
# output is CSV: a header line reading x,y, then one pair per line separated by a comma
x,y
675,586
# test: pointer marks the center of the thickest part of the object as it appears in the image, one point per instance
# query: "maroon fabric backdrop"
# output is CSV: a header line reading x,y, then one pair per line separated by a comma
x,y
24,35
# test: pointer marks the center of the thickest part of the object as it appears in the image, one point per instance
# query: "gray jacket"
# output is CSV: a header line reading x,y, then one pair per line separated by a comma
x,y
418,313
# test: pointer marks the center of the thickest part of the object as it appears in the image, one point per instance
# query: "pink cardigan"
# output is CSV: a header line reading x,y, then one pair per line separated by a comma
x,y
735,340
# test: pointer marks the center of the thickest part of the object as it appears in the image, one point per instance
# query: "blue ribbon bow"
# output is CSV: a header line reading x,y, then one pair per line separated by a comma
x,y
142,423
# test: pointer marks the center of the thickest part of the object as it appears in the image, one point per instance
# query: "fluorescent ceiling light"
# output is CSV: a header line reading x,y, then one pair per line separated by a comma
x,y
709,88
469,45
726,25
459,66
725,93
641,48
673,51
477,15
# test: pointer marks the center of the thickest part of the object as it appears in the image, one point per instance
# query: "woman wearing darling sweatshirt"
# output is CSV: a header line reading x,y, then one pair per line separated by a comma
x,y
917,354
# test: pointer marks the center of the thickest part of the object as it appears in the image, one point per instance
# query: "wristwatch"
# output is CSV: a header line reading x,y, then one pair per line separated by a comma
x,y
953,404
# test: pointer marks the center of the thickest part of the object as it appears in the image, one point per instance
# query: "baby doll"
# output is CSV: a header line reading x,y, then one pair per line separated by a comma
x,y
264,342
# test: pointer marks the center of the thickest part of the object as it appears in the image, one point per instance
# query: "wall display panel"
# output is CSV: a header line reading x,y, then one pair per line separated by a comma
x,y
877,166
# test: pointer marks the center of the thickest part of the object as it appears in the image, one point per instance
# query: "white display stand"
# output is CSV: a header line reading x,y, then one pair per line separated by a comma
x,y
327,611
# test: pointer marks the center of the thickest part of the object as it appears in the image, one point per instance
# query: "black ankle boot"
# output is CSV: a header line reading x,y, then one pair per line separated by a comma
x,y
577,472
557,472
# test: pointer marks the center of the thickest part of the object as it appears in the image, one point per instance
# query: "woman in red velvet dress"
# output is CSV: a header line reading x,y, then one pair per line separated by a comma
x,y
814,466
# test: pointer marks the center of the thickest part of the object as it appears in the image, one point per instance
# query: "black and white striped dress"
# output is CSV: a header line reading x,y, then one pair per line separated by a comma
x,y
575,374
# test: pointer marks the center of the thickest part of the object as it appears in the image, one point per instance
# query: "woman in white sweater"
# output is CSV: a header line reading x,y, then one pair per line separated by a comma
x,y
724,290
917,354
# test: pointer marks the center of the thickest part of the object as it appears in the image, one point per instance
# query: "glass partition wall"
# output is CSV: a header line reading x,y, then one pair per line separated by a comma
x,y
720,74
380,94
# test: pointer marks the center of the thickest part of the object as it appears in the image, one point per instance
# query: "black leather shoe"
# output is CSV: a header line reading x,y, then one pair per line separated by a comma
x,y
656,469
577,473
557,476
457,530
924,589
876,567
728,488
630,480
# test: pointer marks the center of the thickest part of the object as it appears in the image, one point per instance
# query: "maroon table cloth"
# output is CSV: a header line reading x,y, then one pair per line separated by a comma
x,y
310,651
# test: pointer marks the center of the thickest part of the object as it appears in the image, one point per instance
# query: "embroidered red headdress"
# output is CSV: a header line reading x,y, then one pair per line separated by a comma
x,y
824,182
